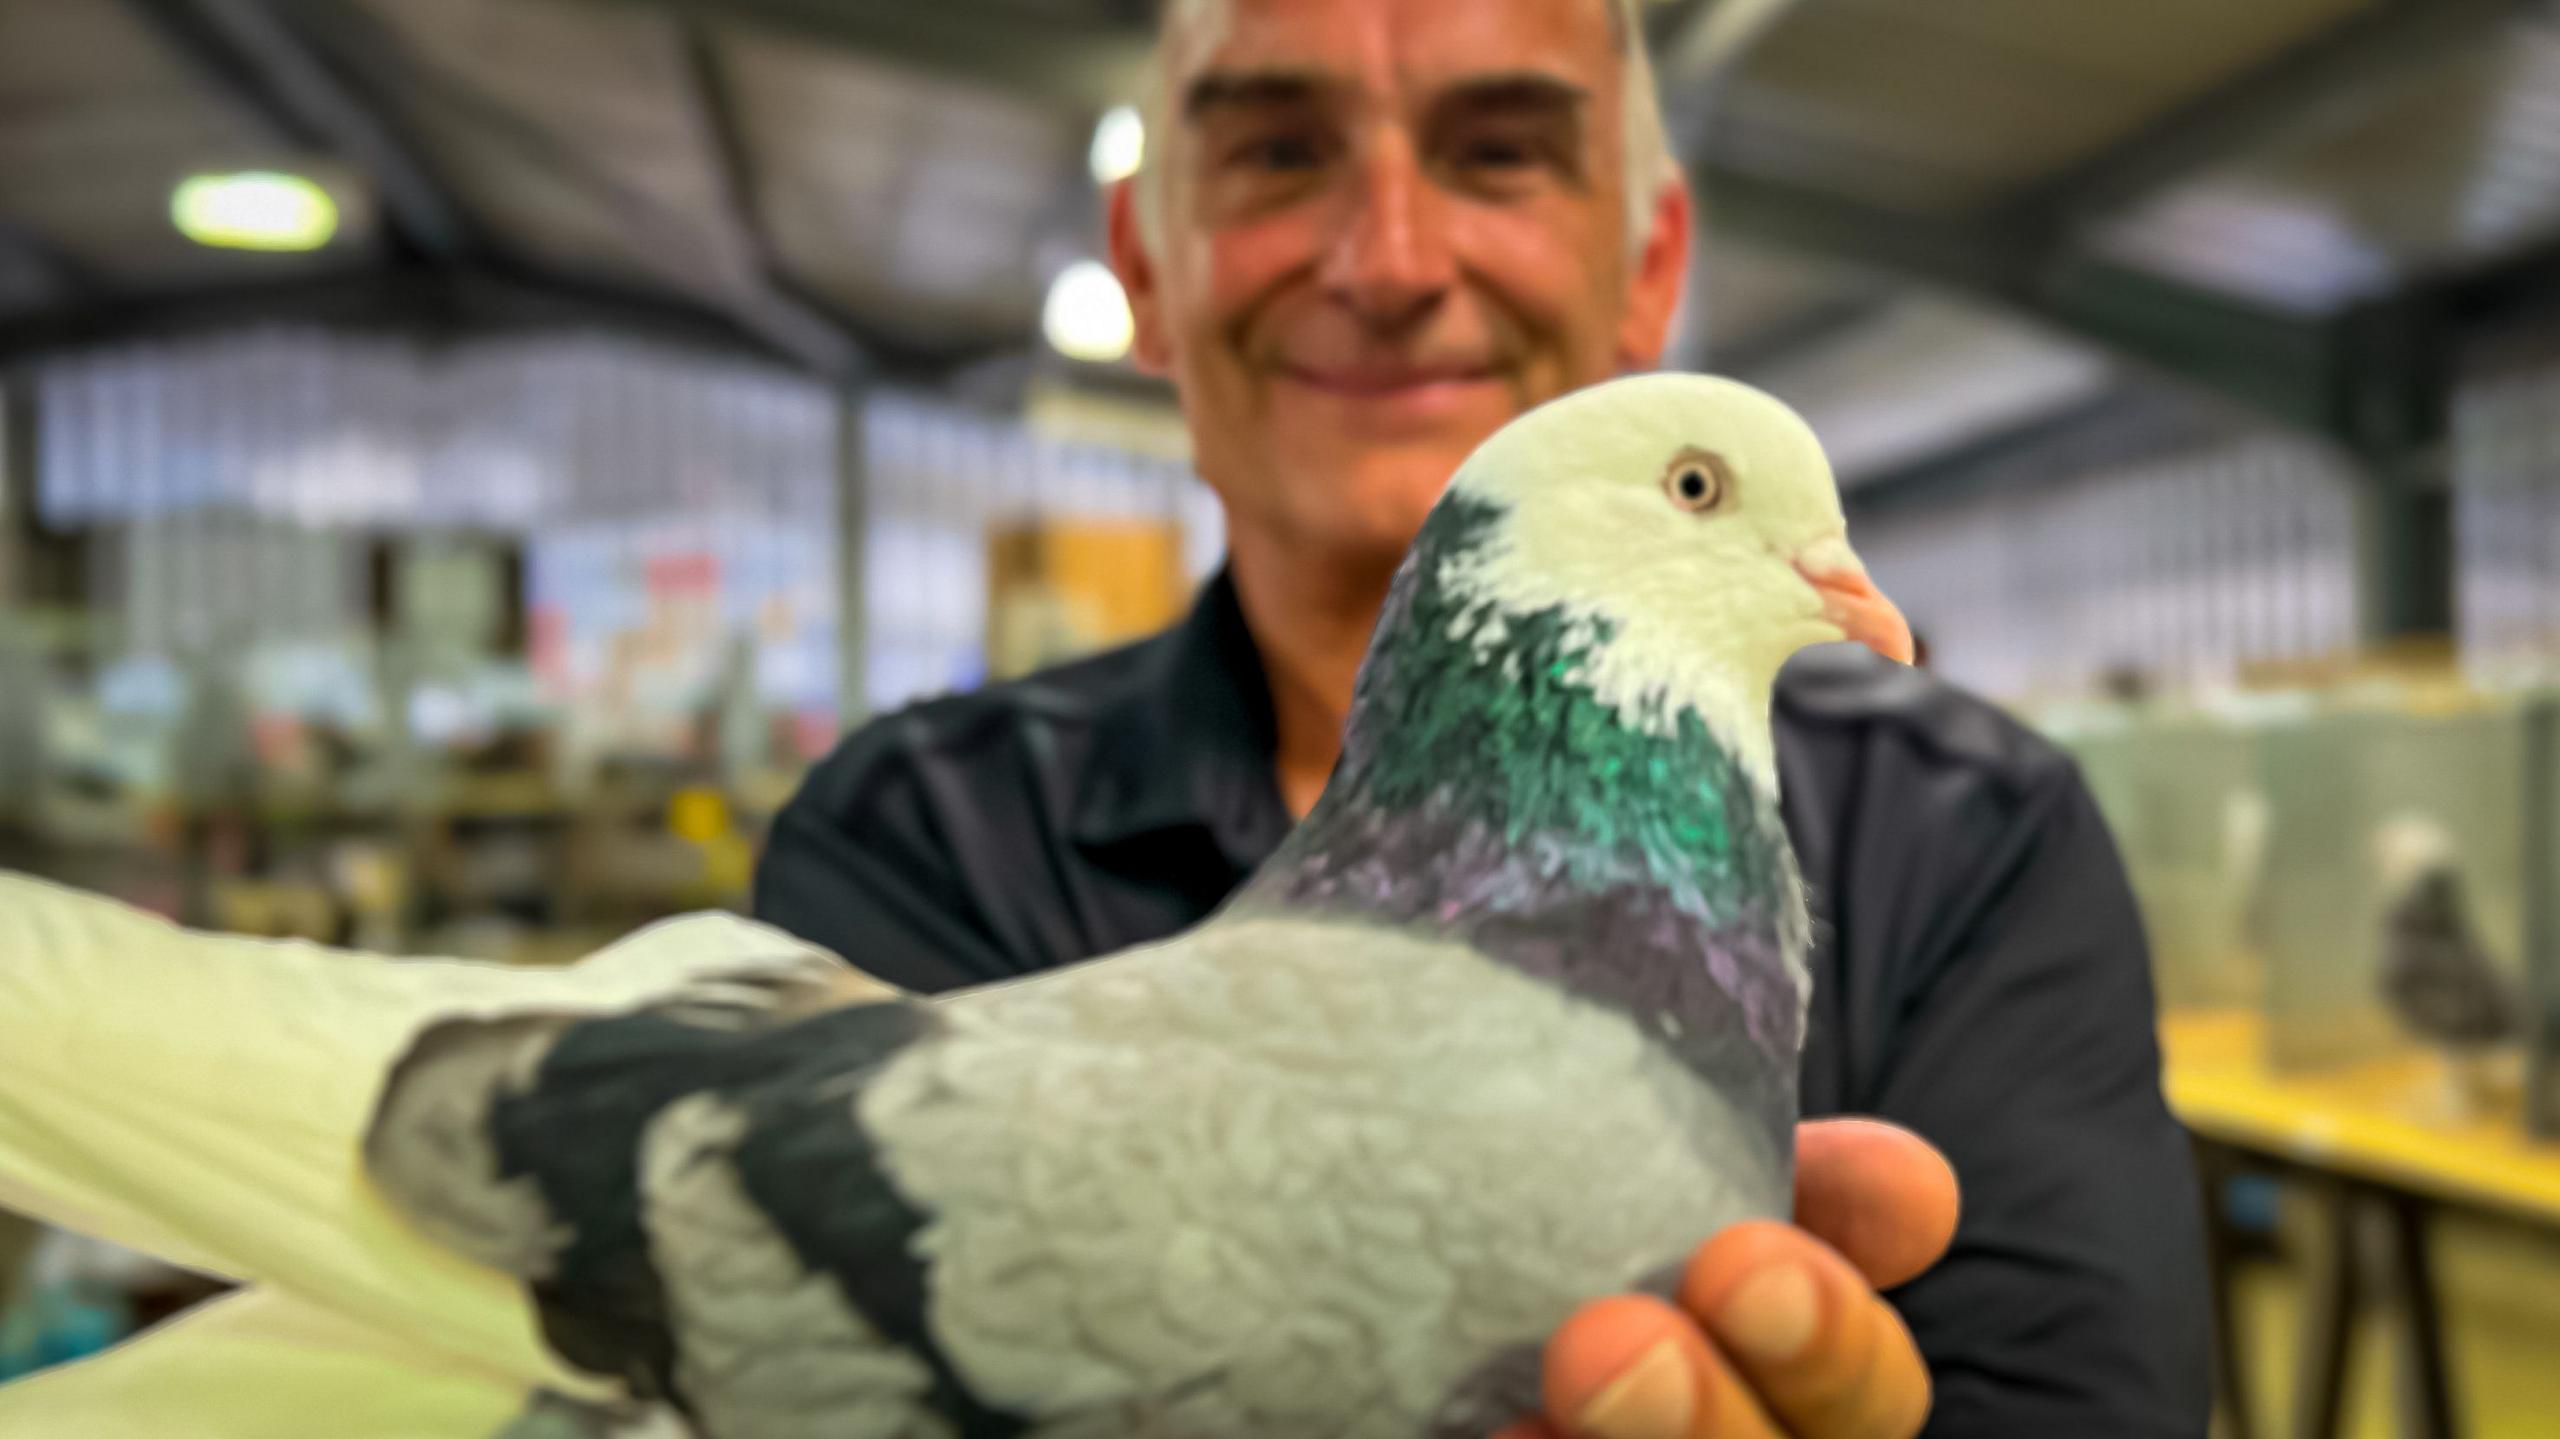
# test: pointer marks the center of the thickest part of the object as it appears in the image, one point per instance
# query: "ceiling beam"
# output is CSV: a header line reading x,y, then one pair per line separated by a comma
x,y
1701,42
2078,439
203,49
715,117
288,88
1019,50
714,105
1945,251
436,304
2315,375
659,237
2289,369
58,277
2261,107
2283,367
1816,327
2521,288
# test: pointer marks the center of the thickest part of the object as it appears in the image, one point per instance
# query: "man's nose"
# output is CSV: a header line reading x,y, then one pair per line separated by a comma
x,y
1390,257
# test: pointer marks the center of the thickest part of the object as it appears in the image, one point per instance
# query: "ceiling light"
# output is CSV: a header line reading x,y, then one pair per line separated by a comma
x,y
254,210
1119,145
1087,317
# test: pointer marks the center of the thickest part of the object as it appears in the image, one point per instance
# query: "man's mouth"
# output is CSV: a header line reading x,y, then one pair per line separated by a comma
x,y
1371,382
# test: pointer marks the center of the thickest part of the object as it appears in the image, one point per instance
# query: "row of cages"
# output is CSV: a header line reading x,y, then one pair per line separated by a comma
x,y
2373,875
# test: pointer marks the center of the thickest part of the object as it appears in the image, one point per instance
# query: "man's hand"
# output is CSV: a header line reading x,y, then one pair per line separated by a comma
x,y
1779,1332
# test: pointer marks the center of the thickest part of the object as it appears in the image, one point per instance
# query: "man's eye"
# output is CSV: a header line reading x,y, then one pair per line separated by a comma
x,y
1281,154
1497,153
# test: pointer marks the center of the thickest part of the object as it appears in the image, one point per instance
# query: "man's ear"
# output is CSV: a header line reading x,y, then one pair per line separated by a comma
x,y
1661,272
1137,271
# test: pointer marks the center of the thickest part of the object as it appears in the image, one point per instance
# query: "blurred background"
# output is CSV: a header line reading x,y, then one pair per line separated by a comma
x,y
460,460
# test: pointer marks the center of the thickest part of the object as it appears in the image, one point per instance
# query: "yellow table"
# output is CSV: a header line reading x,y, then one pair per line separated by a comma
x,y
2354,1121
2351,1136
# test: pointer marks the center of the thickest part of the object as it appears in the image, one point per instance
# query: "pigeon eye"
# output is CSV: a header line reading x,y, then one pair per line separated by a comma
x,y
1698,481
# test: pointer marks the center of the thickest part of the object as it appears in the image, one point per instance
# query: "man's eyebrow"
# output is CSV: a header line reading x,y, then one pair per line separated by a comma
x,y
1518,91
1251,89
1531,90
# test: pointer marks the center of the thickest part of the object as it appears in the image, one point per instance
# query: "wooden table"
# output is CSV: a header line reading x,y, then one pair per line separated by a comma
x,y
2351,1139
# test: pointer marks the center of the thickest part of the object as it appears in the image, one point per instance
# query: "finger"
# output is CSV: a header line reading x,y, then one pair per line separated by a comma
x,y
1877,1193
1803,1327
1632,1367
1527,1429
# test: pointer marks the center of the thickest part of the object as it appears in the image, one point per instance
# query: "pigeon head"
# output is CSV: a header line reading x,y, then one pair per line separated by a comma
x,y
1690,528
2408,848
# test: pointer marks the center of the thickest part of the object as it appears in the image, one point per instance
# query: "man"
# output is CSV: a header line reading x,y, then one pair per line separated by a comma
x,y
1370,232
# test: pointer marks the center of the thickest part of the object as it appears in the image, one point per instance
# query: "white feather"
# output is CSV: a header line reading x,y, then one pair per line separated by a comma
x,y
264,1365
205,1099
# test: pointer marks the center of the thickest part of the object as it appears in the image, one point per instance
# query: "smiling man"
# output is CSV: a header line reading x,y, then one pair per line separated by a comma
x,y
1370,233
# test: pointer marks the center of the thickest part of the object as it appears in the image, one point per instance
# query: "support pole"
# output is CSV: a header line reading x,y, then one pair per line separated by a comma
x,y
853,553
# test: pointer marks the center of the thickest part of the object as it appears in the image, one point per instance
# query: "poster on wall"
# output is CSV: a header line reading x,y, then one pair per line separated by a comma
x,y
1060,588
639,630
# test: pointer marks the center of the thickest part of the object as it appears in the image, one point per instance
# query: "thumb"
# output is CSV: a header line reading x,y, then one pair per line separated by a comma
x,y
1877,1193
1633,1367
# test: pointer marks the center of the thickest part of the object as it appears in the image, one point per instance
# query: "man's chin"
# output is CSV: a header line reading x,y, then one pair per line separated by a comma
x,y
1375,503
1471,406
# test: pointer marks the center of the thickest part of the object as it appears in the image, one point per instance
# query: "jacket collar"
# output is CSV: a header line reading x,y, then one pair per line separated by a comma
x,y
1190,744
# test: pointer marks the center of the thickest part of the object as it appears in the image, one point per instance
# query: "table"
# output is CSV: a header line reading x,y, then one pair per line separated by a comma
x,y
2346,1136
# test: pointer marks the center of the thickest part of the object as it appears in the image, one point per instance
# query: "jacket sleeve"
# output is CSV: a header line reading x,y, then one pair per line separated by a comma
x,y
2073,1301
856,863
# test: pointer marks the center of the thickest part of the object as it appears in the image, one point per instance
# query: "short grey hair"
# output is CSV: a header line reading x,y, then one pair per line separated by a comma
x,y
1650,165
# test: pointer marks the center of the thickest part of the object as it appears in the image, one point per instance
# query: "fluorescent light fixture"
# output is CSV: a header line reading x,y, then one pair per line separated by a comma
x,y
1087,317
1119,145
254,210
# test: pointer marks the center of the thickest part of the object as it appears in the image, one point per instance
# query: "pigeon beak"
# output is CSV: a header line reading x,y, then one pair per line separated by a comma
x,y
1851,600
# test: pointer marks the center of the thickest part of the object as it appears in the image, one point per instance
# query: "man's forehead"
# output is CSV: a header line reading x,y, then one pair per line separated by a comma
x,y
1356,40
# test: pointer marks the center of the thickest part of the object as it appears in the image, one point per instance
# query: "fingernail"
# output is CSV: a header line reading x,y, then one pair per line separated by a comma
x,y
1654,1399
1770,1316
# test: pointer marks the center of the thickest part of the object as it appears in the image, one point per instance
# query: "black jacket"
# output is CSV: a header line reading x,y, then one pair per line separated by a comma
x,y
1980,975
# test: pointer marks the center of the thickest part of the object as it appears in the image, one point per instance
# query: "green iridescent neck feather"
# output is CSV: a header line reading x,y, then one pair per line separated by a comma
x,y
1485,792
1478,709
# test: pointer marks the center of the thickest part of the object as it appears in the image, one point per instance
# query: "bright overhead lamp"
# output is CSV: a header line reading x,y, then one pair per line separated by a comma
x,y
1087,317
1119,145
254,210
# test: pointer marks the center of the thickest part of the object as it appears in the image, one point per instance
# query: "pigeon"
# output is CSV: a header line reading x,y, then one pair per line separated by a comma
x,y
1509,1022
2436,978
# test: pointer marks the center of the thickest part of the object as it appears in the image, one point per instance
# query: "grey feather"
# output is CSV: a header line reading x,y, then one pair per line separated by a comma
x,y
430,1148
768,1348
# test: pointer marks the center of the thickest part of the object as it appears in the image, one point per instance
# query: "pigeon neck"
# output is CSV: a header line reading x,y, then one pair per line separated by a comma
x,y
1487,795
1477,721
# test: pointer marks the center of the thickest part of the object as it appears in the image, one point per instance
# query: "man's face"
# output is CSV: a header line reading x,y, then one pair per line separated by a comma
x,y
1389,227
